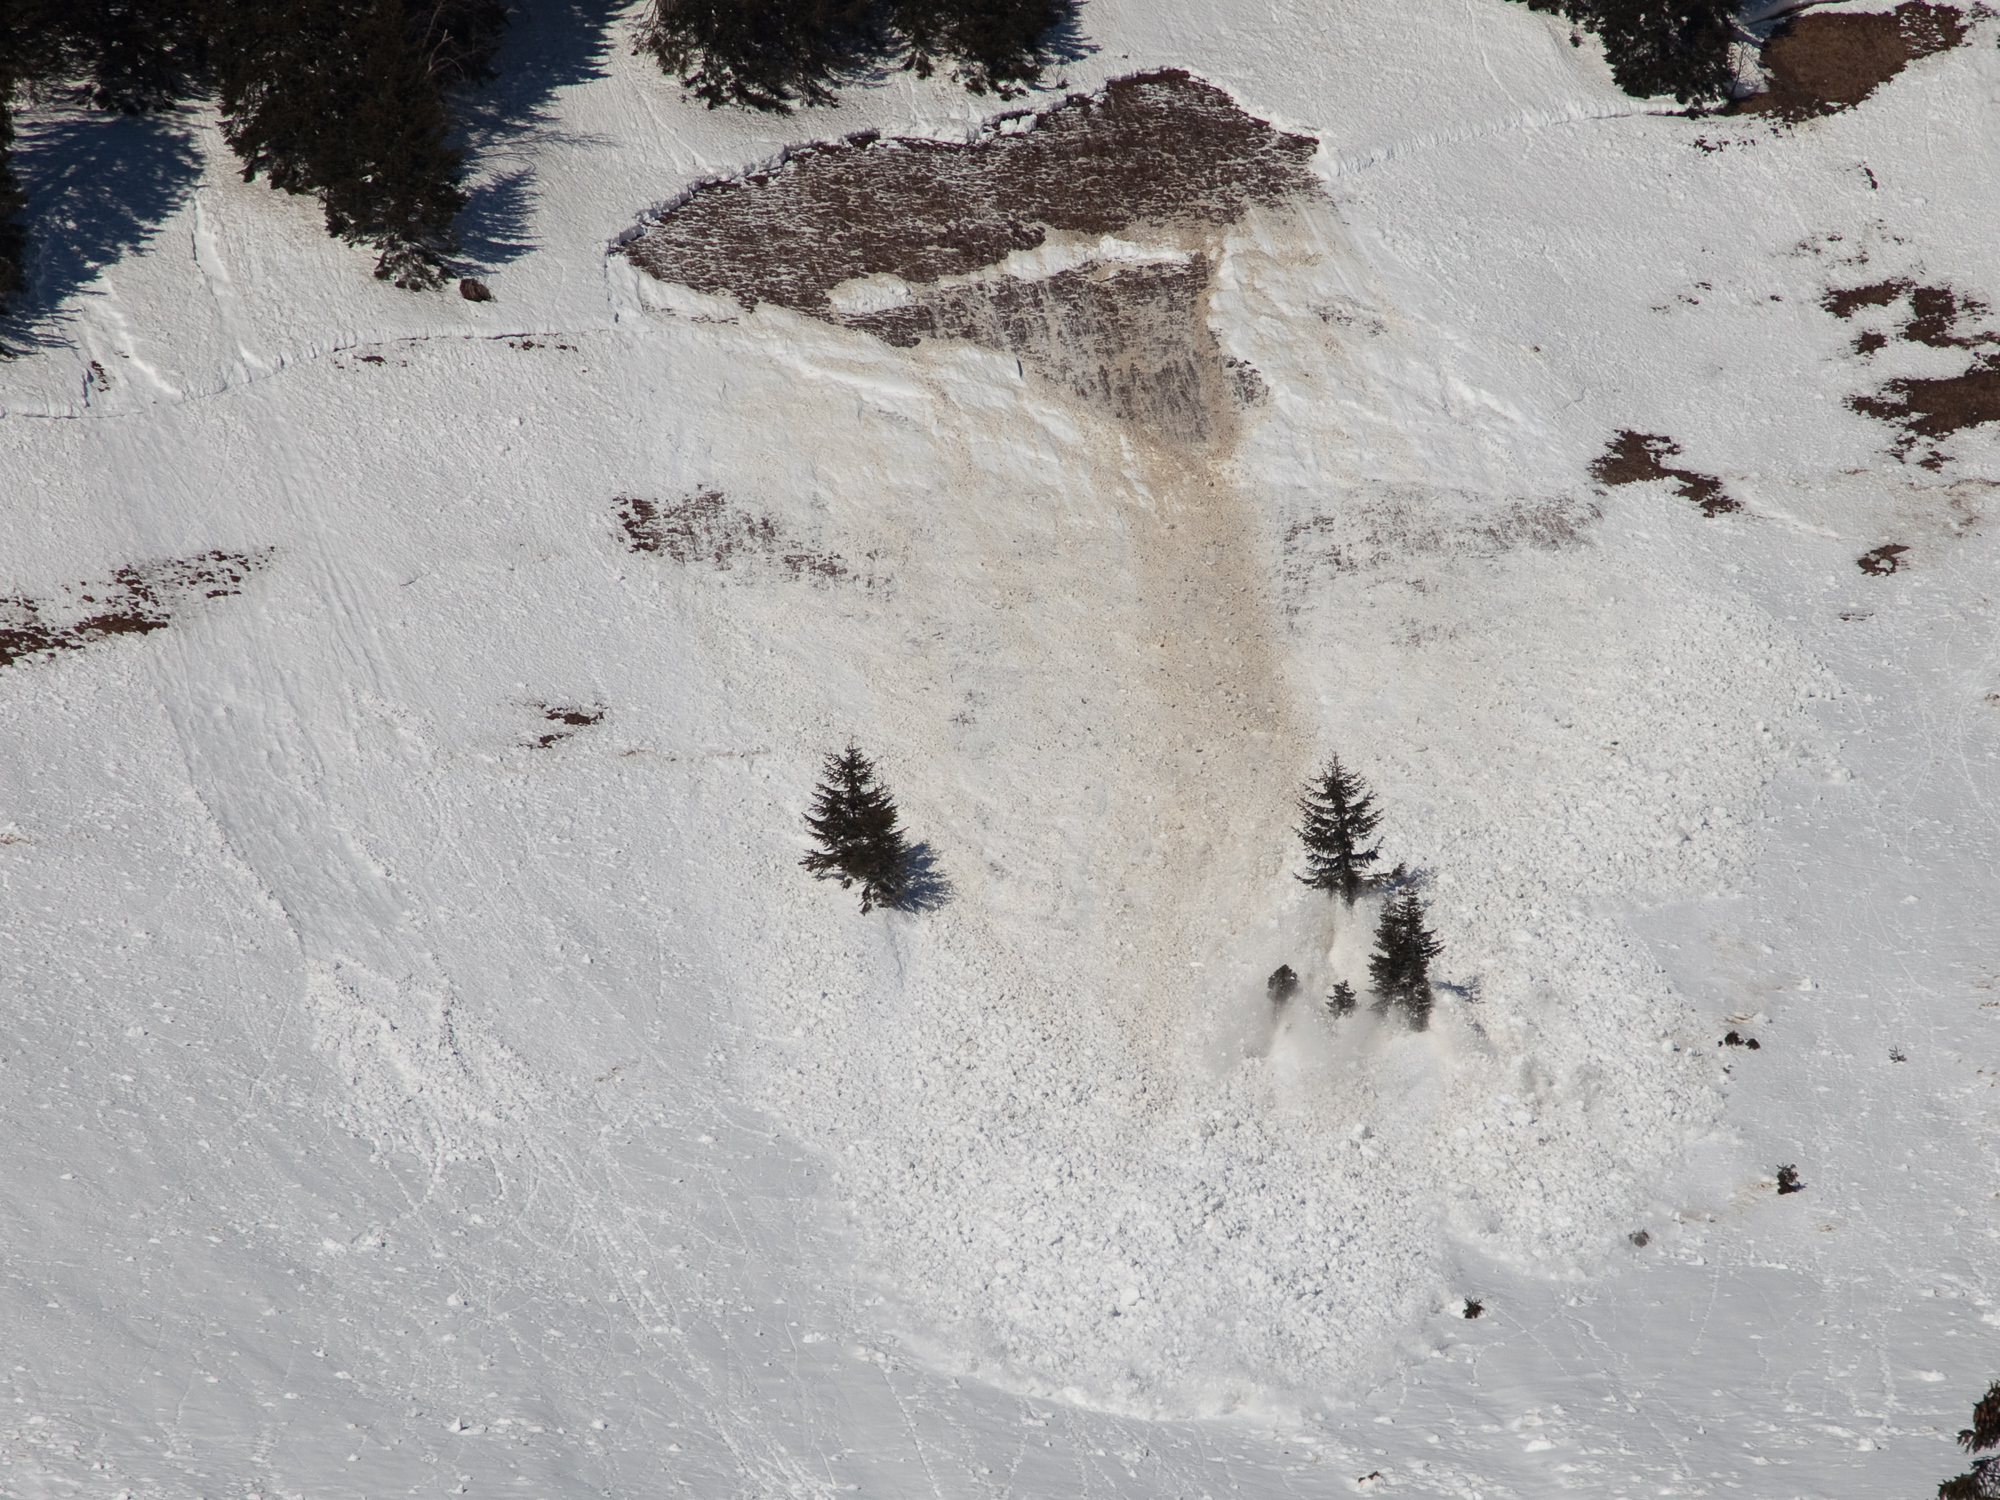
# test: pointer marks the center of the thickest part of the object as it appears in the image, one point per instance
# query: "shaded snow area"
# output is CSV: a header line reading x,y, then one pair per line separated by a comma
x,y
428,1070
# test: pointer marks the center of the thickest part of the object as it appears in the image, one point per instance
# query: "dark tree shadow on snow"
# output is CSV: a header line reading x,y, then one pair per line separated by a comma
x,y
550,45
1402,878
1466,993
929,887
98,187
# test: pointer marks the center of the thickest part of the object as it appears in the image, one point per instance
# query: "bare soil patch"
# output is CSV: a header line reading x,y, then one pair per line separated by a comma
x,y
134,600
1881,561
705,528
1937,408
1157,148
571,717
1636,457
1935,315
1822,64
1162,152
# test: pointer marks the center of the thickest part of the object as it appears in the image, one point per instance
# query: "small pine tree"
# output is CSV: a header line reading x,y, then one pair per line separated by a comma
x,y
1282,985
1339,813
1341,1001
854,821
1399,968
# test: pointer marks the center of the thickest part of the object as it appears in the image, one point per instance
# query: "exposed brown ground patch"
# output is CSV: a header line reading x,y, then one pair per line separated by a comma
x,y
1159,152
571,717
1937,317
705,528
133,601
1883,560
1635,457
1937,408
1822,64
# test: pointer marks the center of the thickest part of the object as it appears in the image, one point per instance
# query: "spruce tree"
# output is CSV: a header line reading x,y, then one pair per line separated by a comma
x,y
345,99
1399,968
13,234
765,54
1339,813
141,55
1341,1001
1655,47
853,819
396,186
996,45
1983,1479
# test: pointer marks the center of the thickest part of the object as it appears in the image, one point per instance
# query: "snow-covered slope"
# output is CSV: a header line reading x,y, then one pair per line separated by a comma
x,y
428,1071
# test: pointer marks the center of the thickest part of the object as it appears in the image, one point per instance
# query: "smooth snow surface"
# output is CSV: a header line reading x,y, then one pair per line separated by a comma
x,y
410,1090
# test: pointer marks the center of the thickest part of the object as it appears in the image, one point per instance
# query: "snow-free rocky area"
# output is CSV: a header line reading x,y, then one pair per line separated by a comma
x,y
427,1071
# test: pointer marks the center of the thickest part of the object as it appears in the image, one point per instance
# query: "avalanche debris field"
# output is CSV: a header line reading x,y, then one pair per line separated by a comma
x,y
428,1070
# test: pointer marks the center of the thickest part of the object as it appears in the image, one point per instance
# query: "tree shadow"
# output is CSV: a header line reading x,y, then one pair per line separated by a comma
x,y
1466,993
1065,41
929,887
98,187
1395,882
548,47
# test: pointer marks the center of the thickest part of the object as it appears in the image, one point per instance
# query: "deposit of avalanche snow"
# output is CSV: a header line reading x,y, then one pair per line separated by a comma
x,y
427,1069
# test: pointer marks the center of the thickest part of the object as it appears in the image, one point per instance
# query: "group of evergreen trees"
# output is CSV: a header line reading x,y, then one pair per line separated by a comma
x,y
1655,47
1338,815
343,99
854,822
772,54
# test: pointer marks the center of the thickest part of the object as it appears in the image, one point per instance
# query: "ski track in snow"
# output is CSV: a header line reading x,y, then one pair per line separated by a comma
x,y
399,1105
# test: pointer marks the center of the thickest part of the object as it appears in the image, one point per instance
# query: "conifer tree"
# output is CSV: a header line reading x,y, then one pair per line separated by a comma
x,y
141,55
1983,1479
853,819
1339,813
765,54
1655,47
345,98
1341,1001
13,234
396,186
995,45
1399,968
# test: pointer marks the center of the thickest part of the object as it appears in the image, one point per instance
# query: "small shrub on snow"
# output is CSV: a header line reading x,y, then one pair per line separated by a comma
x,y
854,821
1282,985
